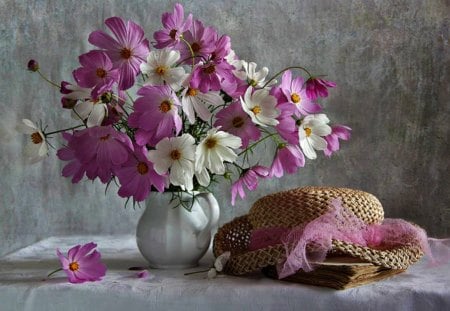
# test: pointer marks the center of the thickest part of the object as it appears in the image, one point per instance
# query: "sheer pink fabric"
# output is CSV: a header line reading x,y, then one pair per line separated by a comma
x,y
338,223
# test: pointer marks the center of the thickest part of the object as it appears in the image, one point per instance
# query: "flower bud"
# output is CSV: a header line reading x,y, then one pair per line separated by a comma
x,y
68,103
227,175
63,89
33,65
106,97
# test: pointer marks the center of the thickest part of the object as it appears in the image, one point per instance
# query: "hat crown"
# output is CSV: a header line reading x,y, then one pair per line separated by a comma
x,y
298,206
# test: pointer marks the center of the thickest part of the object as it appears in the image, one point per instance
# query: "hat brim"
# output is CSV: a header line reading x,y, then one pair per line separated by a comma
x,y
235,238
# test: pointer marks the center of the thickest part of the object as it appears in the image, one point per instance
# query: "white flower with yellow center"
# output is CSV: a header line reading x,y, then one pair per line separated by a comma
x,y
214,150
176,154
260,106
195,102
311,132
256,78
159,68
36,148
93,111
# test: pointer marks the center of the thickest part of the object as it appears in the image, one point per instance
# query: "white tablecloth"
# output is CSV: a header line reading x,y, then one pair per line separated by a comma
x,y
22,286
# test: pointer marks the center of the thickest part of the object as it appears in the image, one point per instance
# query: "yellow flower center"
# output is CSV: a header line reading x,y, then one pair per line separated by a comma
x,y
142,168
175,154
36,138
308,131
210,69
74,266
256,110
100,72
192,92
160,70
295,98
104,138
195,47
211,143
238,122
173,33
125,53
165,106
252,83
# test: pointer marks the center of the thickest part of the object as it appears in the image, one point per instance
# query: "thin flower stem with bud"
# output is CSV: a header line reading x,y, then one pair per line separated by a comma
x,y
48,80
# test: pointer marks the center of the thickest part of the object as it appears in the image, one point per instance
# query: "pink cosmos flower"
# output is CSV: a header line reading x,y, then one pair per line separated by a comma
x,y
174,26
127,50
155,115
288,159
81,265
95,151
209,76
286,126
222,48
137,176
316,87
234,120
249,179
337,132
96,72
202,40
74,168
295,94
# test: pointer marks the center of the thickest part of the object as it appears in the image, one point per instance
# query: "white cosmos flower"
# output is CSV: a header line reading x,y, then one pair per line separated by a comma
x,y
193,101
159,68
311,132
202,176
77,93
36,148
237,63
260,106
93,111
178,155
215,149
256,78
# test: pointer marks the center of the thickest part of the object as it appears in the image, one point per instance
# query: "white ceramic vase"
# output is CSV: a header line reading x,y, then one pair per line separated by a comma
x,y
171,237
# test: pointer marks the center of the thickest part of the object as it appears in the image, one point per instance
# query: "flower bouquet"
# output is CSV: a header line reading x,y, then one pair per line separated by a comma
x,y
182,112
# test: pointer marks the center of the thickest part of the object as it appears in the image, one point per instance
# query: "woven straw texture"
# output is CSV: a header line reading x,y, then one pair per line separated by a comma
x,y
297,206
291,208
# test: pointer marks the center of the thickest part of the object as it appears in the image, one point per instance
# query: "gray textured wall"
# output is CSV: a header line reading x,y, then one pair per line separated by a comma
x,y
390,58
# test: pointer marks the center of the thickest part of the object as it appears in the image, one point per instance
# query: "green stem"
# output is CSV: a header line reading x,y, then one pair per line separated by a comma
x,y
190,49
67,129
254,144
129,96
51,273
287,68
195,272
46,79
74,111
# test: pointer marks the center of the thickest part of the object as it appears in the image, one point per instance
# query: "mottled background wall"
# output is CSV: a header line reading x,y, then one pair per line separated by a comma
x,y
390,58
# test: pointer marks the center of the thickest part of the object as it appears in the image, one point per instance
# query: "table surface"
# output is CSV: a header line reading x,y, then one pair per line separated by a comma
x,y
23,285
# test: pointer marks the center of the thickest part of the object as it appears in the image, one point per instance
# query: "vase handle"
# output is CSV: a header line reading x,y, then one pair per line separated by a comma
x,y
214,213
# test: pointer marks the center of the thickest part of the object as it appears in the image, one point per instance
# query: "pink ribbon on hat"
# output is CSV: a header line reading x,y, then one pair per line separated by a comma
x,y
338,223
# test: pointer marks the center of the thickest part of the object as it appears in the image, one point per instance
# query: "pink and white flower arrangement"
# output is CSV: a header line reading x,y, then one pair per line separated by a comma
x,y
181,113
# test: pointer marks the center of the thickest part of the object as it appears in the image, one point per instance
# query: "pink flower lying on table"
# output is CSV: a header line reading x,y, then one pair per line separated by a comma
x,y
82,265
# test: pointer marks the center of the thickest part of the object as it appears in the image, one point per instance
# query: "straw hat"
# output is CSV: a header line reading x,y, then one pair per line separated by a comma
x,y
292,208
